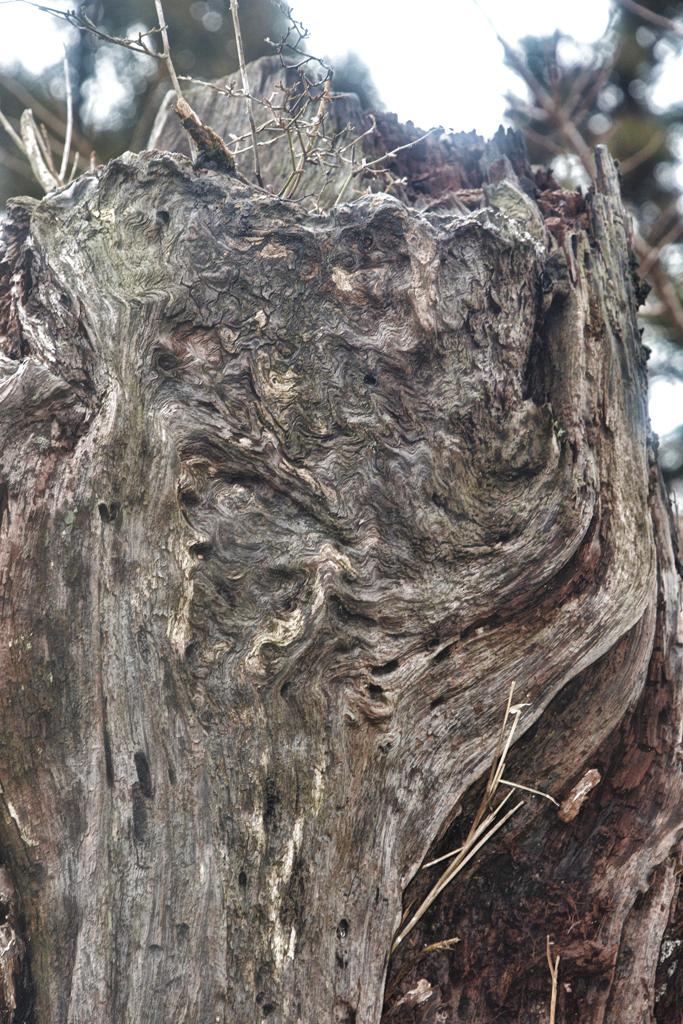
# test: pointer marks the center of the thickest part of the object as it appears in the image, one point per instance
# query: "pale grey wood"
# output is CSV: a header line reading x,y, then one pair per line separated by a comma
x,y
288,502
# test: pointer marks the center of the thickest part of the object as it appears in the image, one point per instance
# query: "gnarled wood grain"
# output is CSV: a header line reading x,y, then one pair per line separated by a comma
x,y
289,500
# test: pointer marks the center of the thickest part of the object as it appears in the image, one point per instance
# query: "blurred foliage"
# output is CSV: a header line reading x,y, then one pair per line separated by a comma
x,y
607,92
607,89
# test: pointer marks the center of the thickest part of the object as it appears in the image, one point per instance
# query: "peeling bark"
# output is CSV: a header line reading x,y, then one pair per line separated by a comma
x,y
288,501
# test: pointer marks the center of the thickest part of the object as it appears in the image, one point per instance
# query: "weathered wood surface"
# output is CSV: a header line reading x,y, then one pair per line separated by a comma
x,y
427,170
287,501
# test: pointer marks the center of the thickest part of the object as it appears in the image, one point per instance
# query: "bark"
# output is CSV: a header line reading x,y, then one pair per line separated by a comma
x,y
287,501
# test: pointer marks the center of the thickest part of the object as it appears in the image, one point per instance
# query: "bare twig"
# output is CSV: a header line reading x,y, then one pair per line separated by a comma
x,y
670,213
234,5
84,24
46,149
74,167
648,150
69,121
166,54
446,856
528,789
579,103
450,873
564,124
19,166
542,140
367,165
288,117
655,253
555,111
664,289
16,139
53,123
166,57
324,100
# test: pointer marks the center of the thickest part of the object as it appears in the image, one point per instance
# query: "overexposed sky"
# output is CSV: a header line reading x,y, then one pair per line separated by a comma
x,y
438,61
433,62
32,37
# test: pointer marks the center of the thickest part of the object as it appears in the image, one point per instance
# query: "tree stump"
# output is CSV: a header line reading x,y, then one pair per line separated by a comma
x,y
287,501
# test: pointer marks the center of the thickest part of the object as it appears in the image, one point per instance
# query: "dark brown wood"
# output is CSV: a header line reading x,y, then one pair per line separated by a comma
x,y
288,501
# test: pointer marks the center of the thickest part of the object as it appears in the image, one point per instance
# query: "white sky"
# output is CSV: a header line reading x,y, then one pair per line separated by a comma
x,y
436,62
29,36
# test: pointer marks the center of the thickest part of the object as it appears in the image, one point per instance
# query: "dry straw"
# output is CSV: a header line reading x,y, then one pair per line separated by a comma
x,y
487,820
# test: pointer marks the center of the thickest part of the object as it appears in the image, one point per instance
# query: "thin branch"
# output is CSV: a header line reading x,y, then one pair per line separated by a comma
x,y
18,166
654,19
576,100
234,5
69,120
367,165
84,24
528,789
291,190
11,132
166,57
648,150
541,140
450,874
53,123
519,106
585,101
166,54
490,785
227,90
653,256
446,856
664,220
74,168
663,288
46,149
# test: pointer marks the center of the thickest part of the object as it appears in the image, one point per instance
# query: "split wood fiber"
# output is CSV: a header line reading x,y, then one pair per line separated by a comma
x,y
287,502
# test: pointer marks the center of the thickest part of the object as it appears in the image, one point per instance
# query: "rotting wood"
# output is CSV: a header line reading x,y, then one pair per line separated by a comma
x,y
290,499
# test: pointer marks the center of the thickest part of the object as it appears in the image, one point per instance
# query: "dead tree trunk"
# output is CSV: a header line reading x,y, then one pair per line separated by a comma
x,y
287,501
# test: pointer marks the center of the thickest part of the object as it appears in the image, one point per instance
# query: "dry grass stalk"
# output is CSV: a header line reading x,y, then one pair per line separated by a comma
x,y
553,975
528,789
484,825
